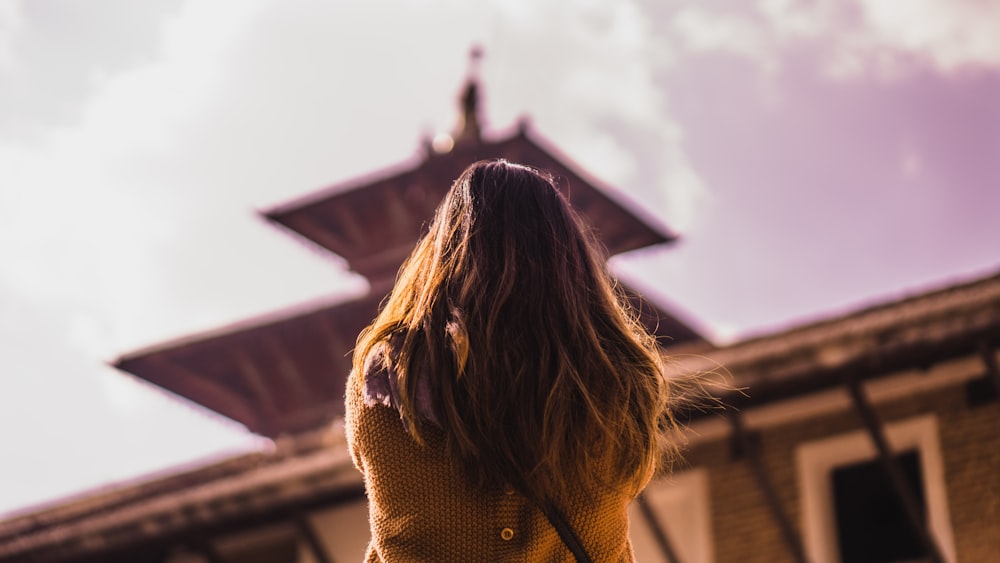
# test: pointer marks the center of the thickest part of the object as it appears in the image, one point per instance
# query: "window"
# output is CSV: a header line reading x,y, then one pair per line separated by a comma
x,y
343,530
681,505
872,525
849,510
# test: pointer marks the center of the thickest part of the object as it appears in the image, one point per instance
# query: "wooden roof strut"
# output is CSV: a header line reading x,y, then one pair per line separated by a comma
x,y
990,361
655,526
897,479
309,533
744,445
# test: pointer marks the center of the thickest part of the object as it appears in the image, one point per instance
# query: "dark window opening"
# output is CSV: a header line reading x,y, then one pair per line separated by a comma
x,y
871,522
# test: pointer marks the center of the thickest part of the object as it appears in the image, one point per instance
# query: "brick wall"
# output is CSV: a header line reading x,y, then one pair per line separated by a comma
x,y
744,529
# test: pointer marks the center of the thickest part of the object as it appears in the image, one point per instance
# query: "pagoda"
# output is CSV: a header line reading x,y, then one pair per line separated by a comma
x,y
286,375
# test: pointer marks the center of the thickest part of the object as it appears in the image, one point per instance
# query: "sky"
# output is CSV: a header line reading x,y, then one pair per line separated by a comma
x,y
815,157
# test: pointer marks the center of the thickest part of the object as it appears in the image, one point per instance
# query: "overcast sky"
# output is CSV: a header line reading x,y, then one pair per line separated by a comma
x,y
815,157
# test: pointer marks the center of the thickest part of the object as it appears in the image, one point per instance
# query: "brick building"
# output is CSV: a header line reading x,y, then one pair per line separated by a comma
x,y
868,437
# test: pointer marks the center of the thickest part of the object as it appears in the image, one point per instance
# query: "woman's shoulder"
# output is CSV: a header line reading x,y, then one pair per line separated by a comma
x,y
378,379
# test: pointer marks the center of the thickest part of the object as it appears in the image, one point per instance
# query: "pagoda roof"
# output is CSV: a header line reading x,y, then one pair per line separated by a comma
x,y
374,222
286,373
280,374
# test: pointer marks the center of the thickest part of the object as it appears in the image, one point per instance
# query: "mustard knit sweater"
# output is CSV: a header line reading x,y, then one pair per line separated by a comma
x,y
421,508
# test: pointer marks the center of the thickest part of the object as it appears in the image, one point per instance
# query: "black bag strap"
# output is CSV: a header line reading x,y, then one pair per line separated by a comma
x,y
566,532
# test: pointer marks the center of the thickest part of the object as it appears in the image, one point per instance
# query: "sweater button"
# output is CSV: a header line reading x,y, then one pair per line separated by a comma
x,y
508,490
507,534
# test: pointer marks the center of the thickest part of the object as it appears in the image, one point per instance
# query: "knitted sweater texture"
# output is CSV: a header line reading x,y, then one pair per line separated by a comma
x,y
422,508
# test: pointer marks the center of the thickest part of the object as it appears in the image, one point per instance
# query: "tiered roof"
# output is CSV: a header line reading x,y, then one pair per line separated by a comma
x,y
286,374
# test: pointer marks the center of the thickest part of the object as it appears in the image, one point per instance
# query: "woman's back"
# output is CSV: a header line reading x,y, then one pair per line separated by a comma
x,y
423,508
504,359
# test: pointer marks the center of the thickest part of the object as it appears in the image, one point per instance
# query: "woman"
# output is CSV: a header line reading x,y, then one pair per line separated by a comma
x,y
504,389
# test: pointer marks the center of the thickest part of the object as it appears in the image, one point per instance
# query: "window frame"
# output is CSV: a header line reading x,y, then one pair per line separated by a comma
x,y
816,459
678,500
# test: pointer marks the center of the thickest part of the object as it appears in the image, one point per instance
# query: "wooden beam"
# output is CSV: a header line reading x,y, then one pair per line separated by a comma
x,y
655,526
315,545
322,235
744,445
347,221
201,389
385,261
335,344
894,472
253,378
288,369
402,216
208,551
990,361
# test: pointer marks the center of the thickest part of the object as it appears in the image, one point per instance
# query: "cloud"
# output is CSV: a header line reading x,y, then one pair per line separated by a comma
x,y
888,38
70,202
53,54
597,95
109,215
703,31
11,21
882,39
952,34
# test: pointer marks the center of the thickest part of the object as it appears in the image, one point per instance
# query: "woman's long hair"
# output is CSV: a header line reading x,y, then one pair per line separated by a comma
x,y
540,375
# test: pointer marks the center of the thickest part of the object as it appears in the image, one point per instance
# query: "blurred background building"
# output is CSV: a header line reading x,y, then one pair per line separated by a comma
x,y
869,436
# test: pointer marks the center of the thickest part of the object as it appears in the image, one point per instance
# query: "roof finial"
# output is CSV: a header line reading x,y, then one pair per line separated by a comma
x,y
470,128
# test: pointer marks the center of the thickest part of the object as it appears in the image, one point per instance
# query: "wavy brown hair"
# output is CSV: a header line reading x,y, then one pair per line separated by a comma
x,y
541,376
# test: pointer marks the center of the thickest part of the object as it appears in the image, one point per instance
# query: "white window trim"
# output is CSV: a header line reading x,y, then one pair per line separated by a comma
x,y
683,496
817,459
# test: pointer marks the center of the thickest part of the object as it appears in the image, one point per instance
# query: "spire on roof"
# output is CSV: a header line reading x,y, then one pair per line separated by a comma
x,y
469,127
